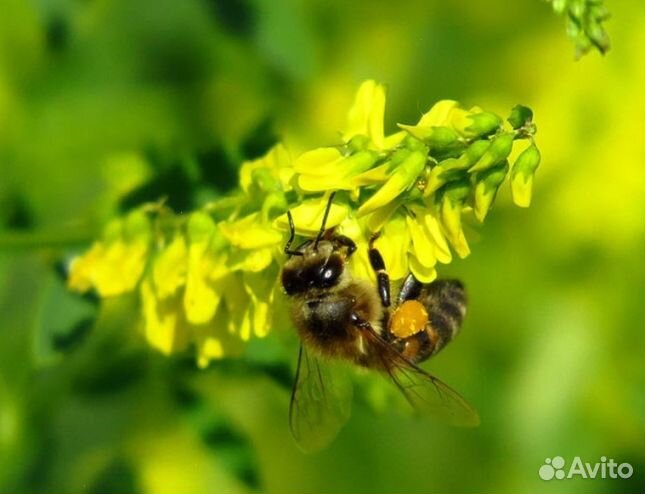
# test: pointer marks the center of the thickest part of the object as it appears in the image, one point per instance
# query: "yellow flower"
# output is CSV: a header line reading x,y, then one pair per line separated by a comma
x,y
408,165
170,267
163,324
114,265
202,296
326,169
271,172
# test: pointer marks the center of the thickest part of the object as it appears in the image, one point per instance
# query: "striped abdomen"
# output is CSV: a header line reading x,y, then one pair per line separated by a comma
x,y
445,303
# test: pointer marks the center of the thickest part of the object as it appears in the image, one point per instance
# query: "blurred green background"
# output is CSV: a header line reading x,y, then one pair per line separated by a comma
x,y
105,104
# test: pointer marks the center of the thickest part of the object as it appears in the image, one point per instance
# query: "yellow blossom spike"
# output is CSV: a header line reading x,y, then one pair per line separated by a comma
x,y
366,115
209,279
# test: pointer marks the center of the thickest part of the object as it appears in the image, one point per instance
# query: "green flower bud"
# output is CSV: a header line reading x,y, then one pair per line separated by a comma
x,y
500,148
520,116
486,187
483,124
438,138
136,226
522,175
455,168
200,227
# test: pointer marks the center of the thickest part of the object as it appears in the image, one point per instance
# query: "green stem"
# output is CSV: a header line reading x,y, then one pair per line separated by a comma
x,y
25,239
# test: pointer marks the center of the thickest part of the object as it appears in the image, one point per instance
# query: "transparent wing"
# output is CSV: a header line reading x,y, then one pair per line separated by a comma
x,y
425,392
320,401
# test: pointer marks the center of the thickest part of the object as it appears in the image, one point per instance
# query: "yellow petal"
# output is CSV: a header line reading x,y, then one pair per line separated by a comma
x,y
425,274
438,114
451,219
162,326
250,233
200,298
442,251
366,115
170,267
338,175
393,244
422,244
213,341
259,287
252,260
119,269
521,189
402,178
81,268
319,161
277,160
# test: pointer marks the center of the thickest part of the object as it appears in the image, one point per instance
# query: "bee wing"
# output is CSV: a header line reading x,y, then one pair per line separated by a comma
x,y
320,402
425,392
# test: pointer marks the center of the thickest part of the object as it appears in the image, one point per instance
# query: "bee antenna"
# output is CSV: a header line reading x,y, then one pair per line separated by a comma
x,y
324,221
292,235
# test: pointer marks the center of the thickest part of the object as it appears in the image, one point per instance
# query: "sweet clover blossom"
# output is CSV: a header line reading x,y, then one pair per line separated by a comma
x,y
209,279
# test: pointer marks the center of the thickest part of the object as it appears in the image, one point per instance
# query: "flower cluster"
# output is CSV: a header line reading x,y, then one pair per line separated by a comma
x,y
584,23
210,279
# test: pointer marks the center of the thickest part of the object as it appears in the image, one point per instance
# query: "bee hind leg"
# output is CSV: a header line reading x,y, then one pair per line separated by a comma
x,y
410,289
378,265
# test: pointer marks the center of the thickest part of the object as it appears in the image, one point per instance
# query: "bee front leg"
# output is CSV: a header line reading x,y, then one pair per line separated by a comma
x,y
378,265
344,241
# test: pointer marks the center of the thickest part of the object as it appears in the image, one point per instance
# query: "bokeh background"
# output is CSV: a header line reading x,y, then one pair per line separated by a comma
x,y
105,104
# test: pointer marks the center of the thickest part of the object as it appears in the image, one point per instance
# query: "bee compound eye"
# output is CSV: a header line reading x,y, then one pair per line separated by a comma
x,y
291,281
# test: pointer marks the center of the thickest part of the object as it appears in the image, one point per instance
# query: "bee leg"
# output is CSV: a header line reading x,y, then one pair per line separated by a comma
x,y
344,241
378,265
410,289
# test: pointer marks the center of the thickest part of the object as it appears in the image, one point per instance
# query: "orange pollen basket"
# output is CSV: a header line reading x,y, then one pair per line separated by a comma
x,y
408,319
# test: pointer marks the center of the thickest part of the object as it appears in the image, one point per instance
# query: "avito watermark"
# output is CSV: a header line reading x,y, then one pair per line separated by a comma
x,y
554,468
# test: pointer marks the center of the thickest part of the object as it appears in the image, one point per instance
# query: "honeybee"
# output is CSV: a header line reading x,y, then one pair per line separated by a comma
x,y
342,318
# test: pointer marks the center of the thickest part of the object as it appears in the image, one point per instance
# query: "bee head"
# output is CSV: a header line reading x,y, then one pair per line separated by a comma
x,y
319,268
316,264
